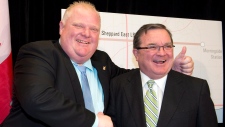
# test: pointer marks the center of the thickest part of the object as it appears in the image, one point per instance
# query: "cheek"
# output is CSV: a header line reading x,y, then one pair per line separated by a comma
x,y
172,58
170,54
146,60
140,57
95,37
171,62
148,57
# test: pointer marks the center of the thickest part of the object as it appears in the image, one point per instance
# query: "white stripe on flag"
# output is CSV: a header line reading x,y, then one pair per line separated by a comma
x,y
5,61
5,45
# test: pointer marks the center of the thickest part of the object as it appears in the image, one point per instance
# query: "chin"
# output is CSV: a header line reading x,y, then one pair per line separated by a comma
x,y
161,73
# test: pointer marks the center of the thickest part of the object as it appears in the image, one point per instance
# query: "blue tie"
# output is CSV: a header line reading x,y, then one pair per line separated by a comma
x,y
86,90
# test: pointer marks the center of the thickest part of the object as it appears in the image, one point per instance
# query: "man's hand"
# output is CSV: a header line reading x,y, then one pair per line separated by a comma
x,y
104,120
183,64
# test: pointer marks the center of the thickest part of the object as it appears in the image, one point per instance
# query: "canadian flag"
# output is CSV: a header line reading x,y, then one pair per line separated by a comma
x,y
5,61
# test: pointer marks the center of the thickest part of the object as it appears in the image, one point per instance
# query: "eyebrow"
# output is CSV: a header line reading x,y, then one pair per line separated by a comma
x,y
164,43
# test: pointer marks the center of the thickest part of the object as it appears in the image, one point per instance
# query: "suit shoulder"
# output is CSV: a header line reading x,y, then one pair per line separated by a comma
x,y
128,75
127,79
101,57
196,81
185,76
39,44
43,49
99,53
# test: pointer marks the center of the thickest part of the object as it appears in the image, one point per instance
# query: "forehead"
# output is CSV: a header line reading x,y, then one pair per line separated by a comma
x,y
156,36
84,14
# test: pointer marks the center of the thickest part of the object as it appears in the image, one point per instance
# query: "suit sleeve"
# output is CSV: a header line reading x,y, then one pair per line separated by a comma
x,y
104,58
111,109
206,112
34,81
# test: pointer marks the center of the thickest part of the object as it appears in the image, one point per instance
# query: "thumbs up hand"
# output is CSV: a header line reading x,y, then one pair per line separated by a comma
x,y
183,64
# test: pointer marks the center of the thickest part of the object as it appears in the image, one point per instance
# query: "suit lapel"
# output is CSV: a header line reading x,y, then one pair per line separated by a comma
x,y
134,94
73,76
174,90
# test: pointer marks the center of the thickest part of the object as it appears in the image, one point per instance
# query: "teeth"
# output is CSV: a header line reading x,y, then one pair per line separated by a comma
x,y
84,42
161,61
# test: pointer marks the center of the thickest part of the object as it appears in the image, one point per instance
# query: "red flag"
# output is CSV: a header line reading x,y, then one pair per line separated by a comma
x,y
5,61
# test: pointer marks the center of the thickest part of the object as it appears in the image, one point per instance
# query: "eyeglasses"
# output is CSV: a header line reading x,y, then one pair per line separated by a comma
x,y
153,48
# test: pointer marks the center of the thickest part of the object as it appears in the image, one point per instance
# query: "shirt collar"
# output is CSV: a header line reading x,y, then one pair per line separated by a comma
x,y
161,83
87,64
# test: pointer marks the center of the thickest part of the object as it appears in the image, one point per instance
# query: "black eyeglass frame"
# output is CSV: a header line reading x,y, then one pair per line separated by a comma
x,y
155,46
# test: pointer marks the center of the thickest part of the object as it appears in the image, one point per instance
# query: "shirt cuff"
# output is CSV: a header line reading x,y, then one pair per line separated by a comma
x,y
96,122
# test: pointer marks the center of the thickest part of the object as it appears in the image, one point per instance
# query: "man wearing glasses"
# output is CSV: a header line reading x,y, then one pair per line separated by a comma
x,y
155,95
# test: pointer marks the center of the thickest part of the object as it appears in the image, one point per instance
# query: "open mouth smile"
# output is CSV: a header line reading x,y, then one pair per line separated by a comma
x,y
159,61
83,42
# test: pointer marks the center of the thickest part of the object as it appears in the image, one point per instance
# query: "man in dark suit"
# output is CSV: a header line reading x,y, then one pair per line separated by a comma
x,y
179,100
47,86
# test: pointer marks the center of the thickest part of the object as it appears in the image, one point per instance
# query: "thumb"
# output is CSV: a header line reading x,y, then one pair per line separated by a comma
x,y
181,55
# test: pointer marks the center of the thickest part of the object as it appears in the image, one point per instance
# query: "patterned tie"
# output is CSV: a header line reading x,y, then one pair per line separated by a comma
x,y
86,90
151,106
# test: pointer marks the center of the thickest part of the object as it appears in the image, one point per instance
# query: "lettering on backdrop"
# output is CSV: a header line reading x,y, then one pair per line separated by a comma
x,y
117,34
215,53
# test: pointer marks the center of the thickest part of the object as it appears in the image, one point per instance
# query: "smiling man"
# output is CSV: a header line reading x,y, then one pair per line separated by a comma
x,y
155,95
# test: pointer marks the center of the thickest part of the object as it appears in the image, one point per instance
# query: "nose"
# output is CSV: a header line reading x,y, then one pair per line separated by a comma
x,y
86,32
161,50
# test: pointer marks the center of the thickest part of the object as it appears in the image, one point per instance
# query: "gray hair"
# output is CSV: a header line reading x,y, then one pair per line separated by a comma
x,y
76,3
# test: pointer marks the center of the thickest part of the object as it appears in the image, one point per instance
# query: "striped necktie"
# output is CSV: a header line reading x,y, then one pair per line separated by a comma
x,y
151,106
86,89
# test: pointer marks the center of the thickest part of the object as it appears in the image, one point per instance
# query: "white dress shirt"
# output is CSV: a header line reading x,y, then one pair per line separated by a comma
x,y
158,87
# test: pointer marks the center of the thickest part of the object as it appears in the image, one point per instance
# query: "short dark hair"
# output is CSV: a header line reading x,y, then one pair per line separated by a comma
x,y
144,29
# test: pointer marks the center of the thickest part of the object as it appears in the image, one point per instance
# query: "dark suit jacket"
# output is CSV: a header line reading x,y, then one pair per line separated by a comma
x,y
47,90
186,102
